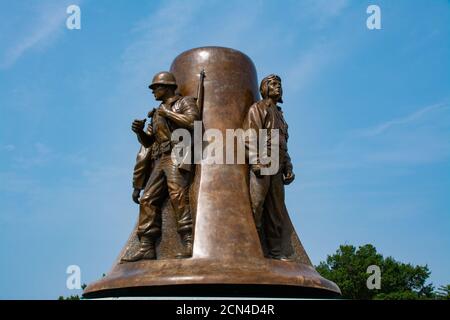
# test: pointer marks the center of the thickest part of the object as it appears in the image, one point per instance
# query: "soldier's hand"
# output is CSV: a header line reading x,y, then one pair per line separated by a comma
x,y
136,195
138,125
288,177
163,111
149,130
151,113
256,169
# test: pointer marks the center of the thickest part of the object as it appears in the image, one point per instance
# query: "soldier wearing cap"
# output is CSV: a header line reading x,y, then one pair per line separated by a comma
x,y
267,191
155,167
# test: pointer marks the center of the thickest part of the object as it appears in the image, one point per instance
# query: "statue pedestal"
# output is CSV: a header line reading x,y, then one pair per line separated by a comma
x,y
203,277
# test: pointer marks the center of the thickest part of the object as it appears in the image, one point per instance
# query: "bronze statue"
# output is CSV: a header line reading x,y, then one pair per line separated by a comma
x,y
228,257
267,191
142,168
164,176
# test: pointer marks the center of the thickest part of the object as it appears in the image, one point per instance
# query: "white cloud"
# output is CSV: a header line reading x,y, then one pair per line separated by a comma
x,y
8,147
420,138
158,39
309,65
416,115
313,59
39,154
45,26
321,12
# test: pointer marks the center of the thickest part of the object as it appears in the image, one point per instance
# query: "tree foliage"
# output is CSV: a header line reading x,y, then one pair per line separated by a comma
x,y
73,297
348,269
443,292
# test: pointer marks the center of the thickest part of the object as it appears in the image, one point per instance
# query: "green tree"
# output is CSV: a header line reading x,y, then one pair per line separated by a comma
x,y
73,297
348,269
443,292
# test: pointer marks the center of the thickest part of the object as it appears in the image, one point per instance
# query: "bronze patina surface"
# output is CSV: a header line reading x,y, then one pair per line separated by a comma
x,y
228,257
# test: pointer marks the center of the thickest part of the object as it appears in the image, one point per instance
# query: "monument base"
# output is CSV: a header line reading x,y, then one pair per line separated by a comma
x,y
203,277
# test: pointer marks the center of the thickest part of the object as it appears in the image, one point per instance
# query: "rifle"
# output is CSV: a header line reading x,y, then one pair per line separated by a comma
x,y
200,92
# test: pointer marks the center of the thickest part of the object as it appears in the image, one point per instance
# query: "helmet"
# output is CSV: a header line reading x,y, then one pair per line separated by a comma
x,y
163,77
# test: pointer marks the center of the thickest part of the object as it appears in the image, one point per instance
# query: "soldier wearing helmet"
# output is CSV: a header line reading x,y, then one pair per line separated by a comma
x,y
158,172
267,191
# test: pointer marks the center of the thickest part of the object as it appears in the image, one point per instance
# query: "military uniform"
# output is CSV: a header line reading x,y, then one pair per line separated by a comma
x,y
142,168
267,191
167,178
162,176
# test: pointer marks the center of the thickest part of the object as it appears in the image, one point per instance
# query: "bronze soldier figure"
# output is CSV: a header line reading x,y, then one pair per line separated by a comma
x,y
166,178
267,191
143,166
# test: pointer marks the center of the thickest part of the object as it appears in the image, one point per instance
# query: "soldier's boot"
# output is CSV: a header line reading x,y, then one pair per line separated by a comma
x,y
146,251
186,239
283,258
275,250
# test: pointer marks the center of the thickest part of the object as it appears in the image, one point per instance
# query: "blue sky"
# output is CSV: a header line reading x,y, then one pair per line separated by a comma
x,y
369,116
